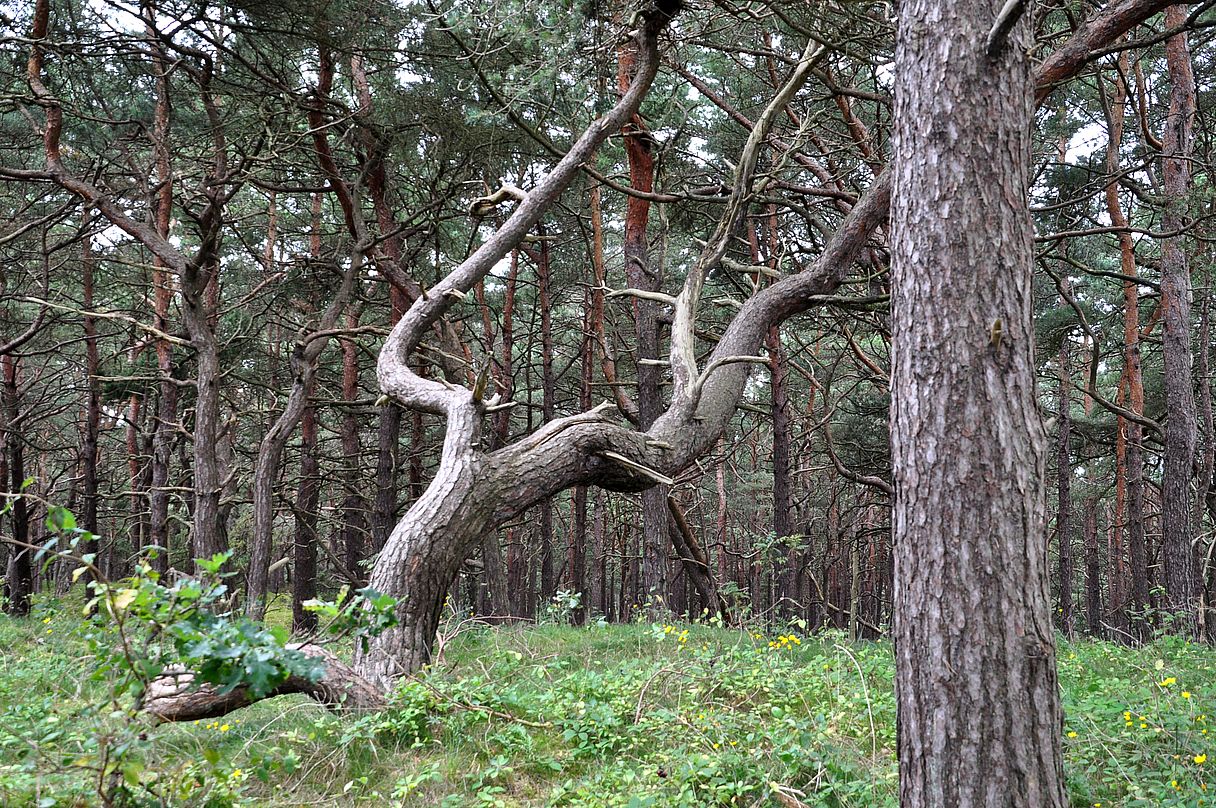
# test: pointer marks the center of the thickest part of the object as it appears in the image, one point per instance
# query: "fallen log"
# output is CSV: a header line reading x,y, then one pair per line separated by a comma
x,y
175,695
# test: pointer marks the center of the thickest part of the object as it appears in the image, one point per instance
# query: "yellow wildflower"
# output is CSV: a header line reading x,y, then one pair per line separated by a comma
x,y
1200,759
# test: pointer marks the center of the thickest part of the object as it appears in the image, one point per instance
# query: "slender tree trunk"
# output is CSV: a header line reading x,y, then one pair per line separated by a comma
x,y
548,579
137,502
1064,489
577,547
1204,499
388,433
973,629
92,417
388,451
1132,431
1181,575
783,523
304,545
19,580
1093,570
164,427
354,507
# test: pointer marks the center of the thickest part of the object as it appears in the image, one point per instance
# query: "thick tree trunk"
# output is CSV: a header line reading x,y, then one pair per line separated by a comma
x,y
1181,576
973,629
174,697
641,275
207,539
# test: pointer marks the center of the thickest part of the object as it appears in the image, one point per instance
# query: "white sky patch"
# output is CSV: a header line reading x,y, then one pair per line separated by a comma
x,y
111,236
407,77
884,75
1085,142
120,19
699,147
502,268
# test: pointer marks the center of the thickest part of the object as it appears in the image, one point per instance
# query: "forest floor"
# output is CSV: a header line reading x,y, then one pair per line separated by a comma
x,y
620,715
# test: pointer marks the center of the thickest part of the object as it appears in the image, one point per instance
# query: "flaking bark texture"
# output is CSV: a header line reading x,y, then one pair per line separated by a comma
x,y
1181,578
979,711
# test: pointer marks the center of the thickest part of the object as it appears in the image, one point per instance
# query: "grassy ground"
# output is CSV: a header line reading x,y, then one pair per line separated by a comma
x,y
615,715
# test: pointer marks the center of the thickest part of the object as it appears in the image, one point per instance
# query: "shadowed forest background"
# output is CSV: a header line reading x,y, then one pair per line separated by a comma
x,y
214,216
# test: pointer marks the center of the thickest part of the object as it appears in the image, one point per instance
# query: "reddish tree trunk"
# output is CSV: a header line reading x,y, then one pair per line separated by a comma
x,y
1133,459
1181,575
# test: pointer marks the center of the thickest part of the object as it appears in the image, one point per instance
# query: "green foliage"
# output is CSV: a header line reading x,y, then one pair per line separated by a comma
x,y
637,715
96,741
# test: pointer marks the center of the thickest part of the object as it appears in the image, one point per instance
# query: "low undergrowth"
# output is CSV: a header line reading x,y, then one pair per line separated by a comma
x,y
633,715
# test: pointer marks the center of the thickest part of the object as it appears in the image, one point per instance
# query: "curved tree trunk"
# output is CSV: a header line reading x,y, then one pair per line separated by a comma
x,y
973,630
475,490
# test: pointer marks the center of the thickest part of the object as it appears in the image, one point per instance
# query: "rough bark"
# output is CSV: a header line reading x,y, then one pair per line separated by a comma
x,y
973,630
1181,576
1093,570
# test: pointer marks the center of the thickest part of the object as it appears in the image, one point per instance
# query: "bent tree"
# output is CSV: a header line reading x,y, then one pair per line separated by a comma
x,y
972,616
474,491
477,487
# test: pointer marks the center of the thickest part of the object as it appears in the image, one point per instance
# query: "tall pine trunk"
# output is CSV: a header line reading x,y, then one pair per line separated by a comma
x,y
1181,578
973,630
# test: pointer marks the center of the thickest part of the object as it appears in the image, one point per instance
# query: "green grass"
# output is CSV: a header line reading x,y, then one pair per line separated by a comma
x,y
613,715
